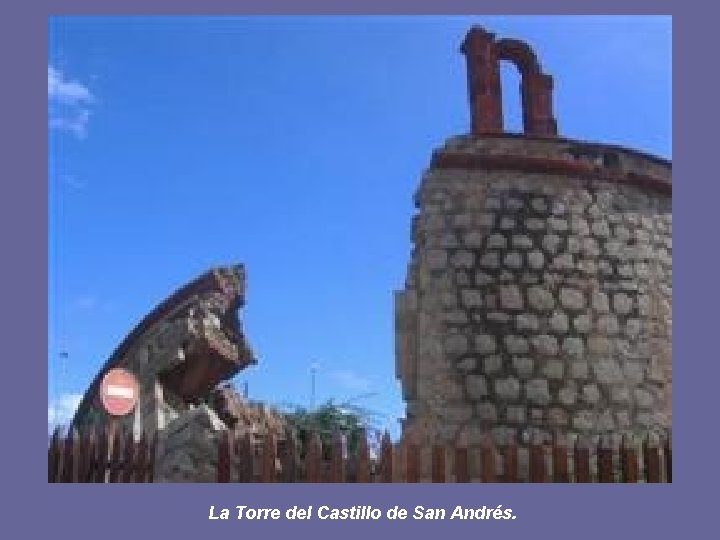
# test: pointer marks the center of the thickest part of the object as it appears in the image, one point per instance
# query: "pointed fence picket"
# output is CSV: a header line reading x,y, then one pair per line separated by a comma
x,y
111,456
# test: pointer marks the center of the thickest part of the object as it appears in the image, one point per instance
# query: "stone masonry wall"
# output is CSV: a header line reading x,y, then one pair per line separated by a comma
x,y
178,352
538,302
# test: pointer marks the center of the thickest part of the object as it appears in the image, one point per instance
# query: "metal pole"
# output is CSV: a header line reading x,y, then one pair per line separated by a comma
x,y
313,370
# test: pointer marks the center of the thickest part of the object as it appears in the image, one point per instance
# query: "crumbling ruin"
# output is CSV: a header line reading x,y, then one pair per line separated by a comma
x,y
180,353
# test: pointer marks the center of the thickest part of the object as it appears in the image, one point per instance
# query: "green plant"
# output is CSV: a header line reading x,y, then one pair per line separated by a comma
x,y
330,418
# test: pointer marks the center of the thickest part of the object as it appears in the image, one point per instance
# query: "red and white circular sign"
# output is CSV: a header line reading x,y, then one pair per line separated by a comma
x,y
119,392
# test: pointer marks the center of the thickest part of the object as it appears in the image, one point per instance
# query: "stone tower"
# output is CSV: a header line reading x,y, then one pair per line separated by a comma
x,y
538,298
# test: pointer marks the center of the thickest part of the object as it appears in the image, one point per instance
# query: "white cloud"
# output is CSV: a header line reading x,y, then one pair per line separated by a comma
x,y
73,181
69,92
73,121
68,103
86,302
62,408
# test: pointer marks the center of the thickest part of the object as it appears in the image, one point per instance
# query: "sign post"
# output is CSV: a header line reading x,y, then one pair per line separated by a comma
x,y
119,392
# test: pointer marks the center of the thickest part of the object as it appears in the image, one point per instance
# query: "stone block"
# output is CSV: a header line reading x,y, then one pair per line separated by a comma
x,y
557,224
558,208
563,261
527,321
579,226
572,299
606,421
496,241
584,420
601,229
574,347
554,369
523,366
573,244
590,247
463,259
485,220
643,398
487,412
513,260
622,303
536,260
600,302
540,298
492,364
557,417
508,388
476,386
534,224
558,322
468,363
516,344
591,394
582,323
545,345
473,239
511,297
521,241
607,371
515,414
490,259
579,370
462,221
537,391
456,344
608,325
551,243
436,259
507,223
497,317
633,328
536,416
513,204
471,298
620,393
539,205
567,395
587,266
485,344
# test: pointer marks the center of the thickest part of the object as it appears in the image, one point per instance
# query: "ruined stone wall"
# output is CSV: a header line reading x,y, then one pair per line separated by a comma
x,y
187,449
538,298
179,352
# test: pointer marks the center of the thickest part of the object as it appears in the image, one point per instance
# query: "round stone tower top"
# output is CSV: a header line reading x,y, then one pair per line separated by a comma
x,y
538,149
555,156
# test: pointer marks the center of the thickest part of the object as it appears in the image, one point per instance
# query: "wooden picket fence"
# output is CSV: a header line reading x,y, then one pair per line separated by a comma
x,y
115,457
241,460
112,456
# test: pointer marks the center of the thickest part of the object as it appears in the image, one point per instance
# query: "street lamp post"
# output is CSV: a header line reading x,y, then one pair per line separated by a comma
x,y
313,371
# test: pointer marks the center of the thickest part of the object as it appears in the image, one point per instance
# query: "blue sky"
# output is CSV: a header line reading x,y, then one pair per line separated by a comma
x,y
293,145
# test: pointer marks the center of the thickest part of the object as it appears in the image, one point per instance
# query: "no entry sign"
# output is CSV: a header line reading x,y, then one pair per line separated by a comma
x,y
119,392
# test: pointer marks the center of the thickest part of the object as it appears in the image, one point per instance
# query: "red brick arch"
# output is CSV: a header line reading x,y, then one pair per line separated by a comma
x,y
484,54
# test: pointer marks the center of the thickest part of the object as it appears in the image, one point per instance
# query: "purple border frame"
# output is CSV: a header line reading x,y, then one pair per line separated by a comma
x,y
593,511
